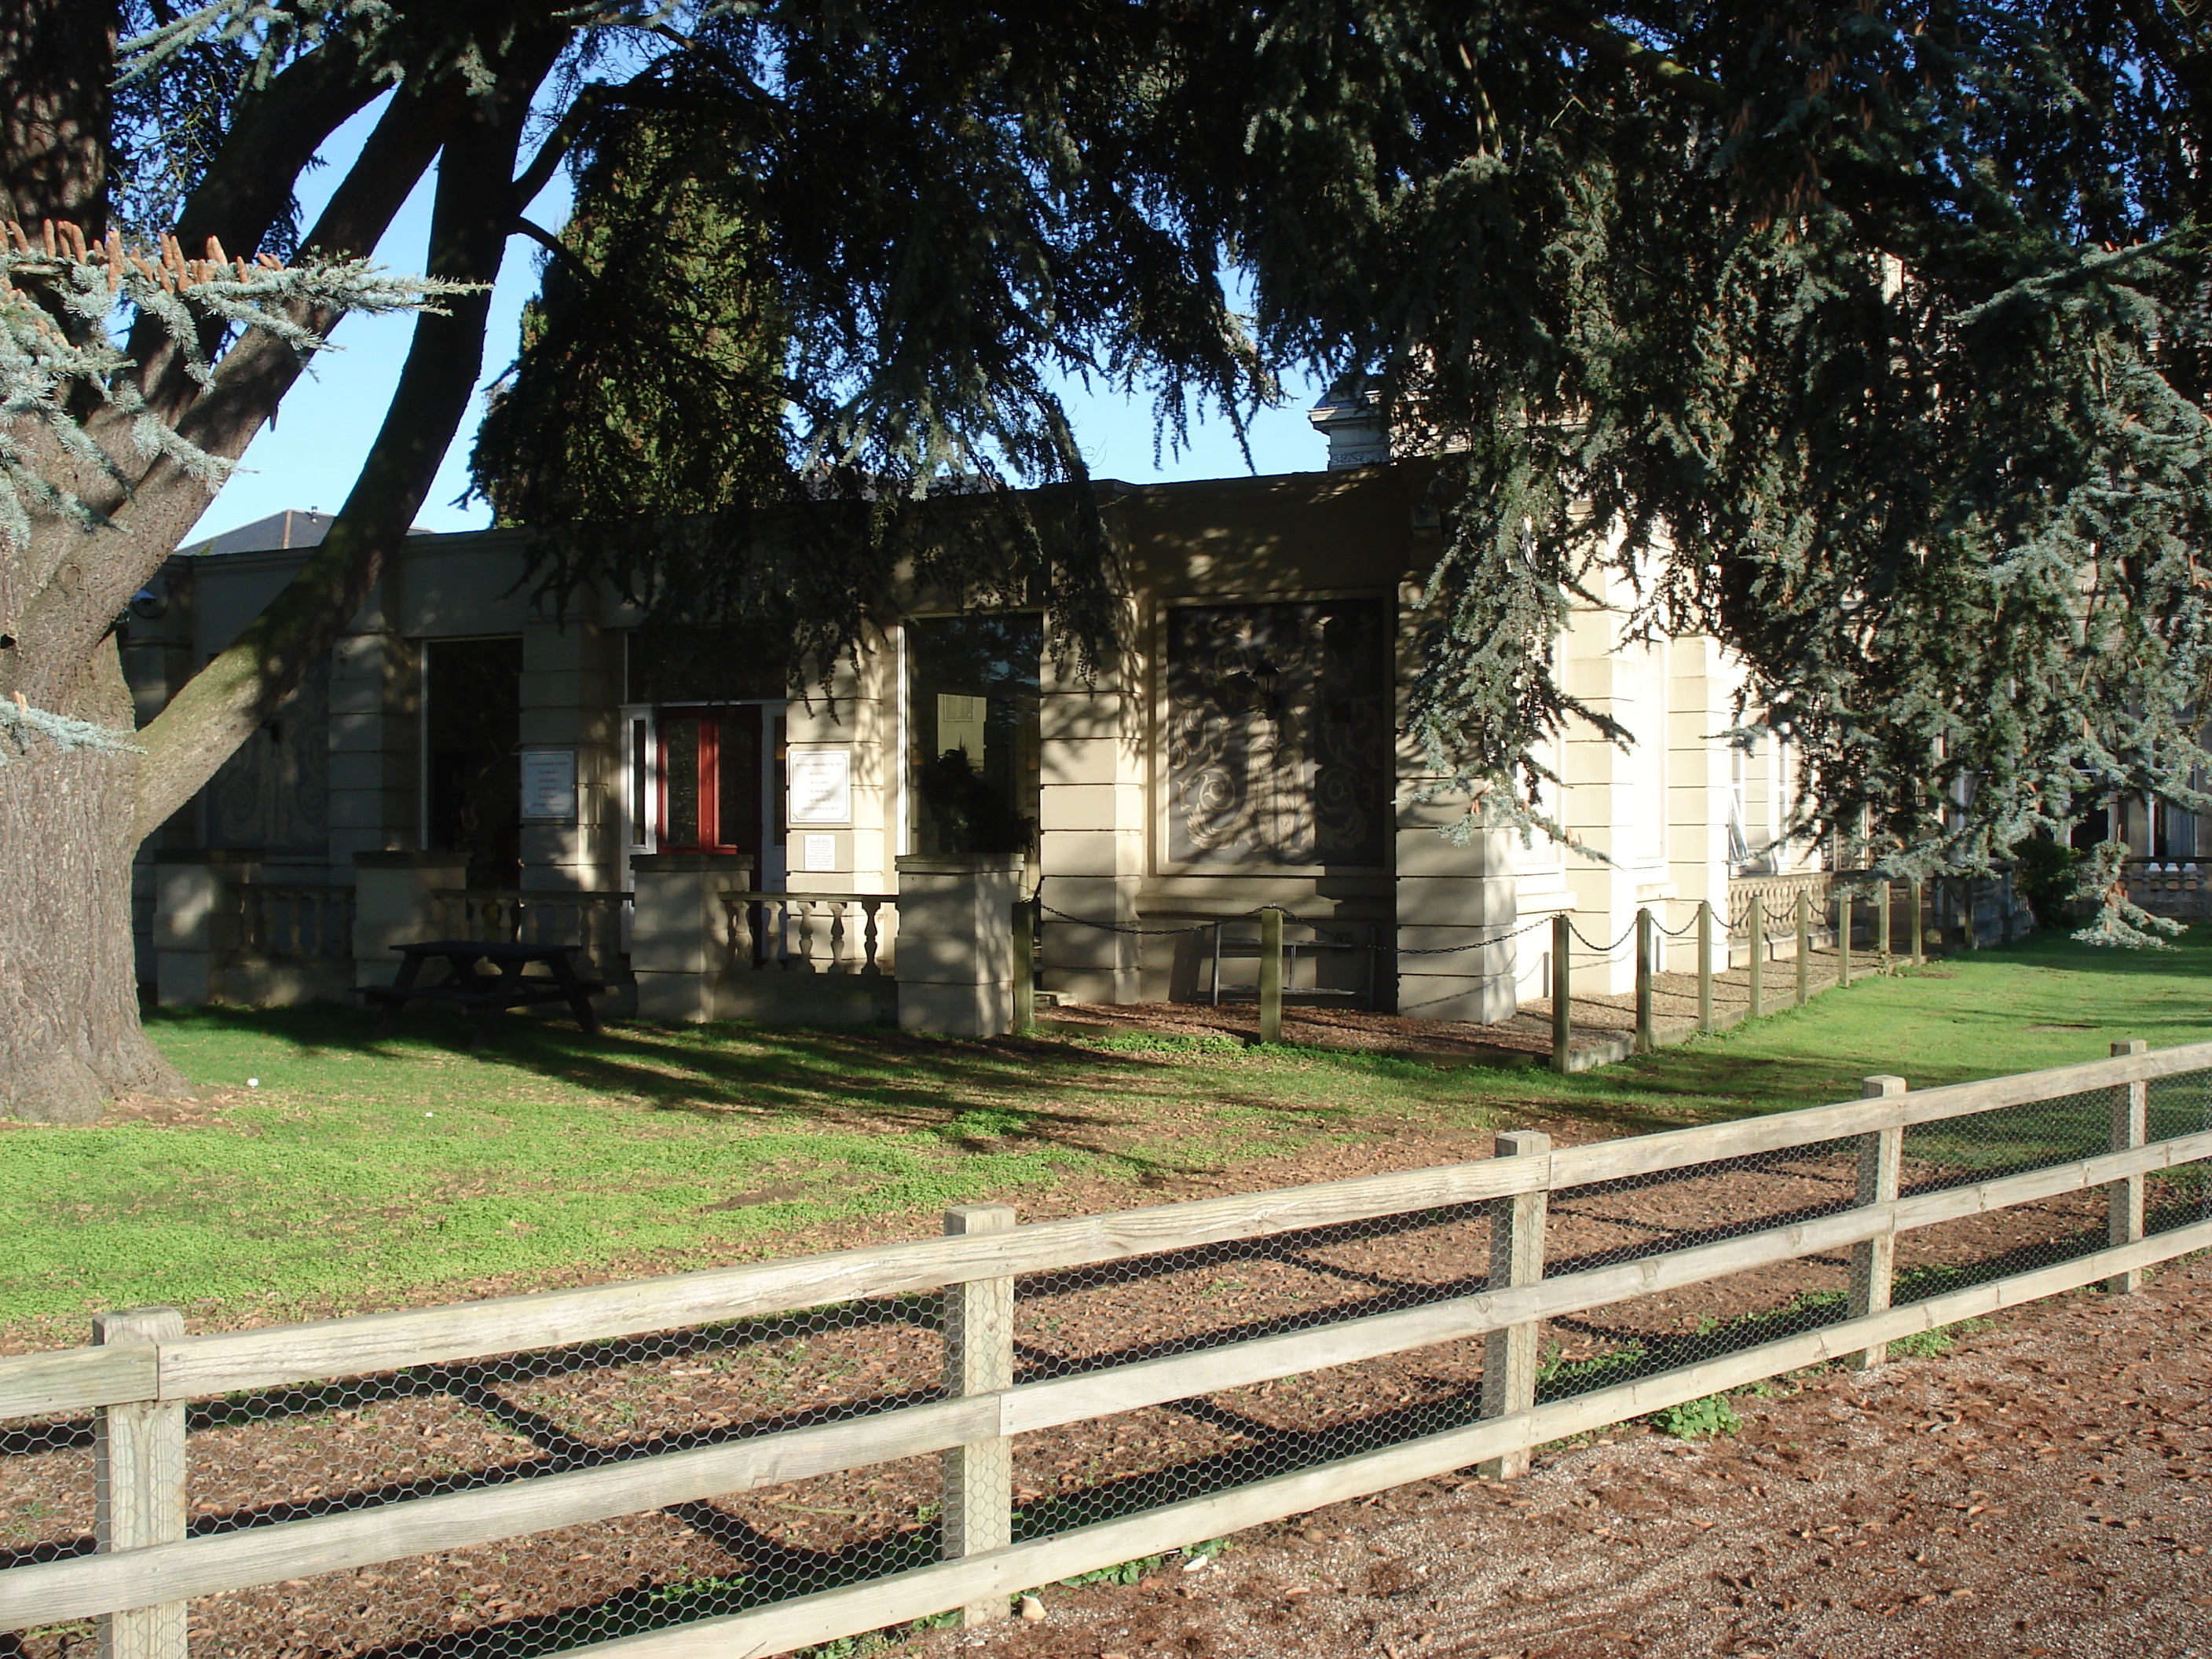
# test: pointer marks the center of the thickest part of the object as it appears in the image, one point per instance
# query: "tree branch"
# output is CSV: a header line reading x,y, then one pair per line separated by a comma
x,y
471,221
1570,23
554,246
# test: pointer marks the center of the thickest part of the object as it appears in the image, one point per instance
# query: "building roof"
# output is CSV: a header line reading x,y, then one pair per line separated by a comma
x,y
274,534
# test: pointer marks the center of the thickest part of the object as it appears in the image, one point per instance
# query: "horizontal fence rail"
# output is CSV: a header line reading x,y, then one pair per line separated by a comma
x,y
2094,1146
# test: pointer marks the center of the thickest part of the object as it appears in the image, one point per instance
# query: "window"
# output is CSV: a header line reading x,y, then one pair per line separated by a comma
x,y
1279,733
473,737
973,745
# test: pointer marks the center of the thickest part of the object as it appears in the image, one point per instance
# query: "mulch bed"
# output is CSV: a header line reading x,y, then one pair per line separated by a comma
x,y
2045,1490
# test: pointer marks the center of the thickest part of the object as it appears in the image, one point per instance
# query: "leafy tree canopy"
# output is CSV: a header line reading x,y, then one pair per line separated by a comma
x,y
1868,337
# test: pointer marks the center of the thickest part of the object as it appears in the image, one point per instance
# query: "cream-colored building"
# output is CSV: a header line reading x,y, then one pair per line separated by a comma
x,y
1243,753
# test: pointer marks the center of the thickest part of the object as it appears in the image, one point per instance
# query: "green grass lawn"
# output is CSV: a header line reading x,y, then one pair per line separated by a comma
x,y
361,1174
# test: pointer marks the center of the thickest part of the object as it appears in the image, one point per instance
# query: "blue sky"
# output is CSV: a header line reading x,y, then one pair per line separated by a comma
x,y
310,456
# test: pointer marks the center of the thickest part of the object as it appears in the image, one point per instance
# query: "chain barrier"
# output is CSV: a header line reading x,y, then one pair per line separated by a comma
x,y
1288,915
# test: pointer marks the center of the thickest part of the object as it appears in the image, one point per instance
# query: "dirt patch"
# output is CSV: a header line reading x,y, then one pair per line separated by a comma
x,y
2044,1490
293,1454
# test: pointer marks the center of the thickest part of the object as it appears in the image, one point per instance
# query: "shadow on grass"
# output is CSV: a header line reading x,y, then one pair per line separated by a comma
x,y
860,1079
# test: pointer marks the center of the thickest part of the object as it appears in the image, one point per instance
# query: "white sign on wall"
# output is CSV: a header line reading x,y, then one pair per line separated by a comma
x,y
818,852
821,785
548,784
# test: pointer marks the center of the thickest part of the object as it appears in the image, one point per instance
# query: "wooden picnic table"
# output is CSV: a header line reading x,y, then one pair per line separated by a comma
x,y
466,985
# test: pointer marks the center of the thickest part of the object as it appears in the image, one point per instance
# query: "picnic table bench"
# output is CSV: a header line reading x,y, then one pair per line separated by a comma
x,y
466,986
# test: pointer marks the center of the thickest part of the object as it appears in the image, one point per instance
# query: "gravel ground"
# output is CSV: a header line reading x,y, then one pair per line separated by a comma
x,y
2044,1490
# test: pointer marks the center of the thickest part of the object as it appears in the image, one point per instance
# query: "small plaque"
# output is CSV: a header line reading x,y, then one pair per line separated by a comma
x,y
548,784
818,852
821,785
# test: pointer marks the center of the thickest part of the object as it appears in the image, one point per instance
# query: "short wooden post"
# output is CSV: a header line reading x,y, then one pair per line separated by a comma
x,y
1756,922
1645,1044
1919,924
1516,1257
1706,966
1803,947
1874,1262
1563,1014
979,1358
138,1486
1843,938
1271,975
1025,916
2123,1198
1882,923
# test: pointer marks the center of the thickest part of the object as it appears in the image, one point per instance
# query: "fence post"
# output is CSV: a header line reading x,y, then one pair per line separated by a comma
x,y
1563,1017
1645,1044
1874,1262
1804,947
1919,937
1271,975
1516,1257
1706,966
1843,938
138,1486
1882,923
979,1358
1024,963
1755,921
2124,1216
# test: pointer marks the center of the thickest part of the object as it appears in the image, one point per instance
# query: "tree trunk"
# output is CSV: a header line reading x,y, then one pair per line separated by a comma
x,y
70,1036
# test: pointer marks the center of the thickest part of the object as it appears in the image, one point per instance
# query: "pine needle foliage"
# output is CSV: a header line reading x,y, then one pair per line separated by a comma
x,y
1867,336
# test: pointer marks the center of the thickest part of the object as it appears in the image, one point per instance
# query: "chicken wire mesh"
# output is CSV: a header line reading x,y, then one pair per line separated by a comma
x,y
260,1458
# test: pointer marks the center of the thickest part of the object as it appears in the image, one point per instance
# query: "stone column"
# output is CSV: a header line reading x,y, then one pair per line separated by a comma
x,y
955,944
1455,894
1091,837
1456,900
375,731
195,921
391,905
677,930
571,670
855,714
1698,793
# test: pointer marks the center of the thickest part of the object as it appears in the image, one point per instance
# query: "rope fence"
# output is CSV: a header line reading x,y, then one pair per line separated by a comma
x,y
1822,906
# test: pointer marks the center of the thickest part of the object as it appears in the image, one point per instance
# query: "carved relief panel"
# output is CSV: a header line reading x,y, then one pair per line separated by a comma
x,y
1278,729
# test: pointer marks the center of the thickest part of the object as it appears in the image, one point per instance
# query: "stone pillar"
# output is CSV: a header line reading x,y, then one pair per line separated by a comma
x,y
1453,893
571,670
391,905
855,714
1614,802
195,920
1456,899
1700,684
1092,833
955,944
375,731
678,929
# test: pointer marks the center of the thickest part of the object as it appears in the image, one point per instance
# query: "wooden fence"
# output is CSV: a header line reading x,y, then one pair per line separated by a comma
x,y
142,1369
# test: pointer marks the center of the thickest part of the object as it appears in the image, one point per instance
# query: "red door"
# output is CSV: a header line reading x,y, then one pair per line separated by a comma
x,y
710,781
